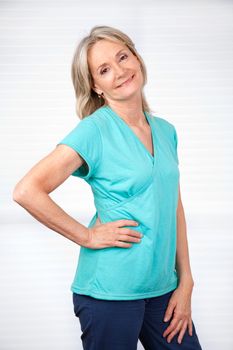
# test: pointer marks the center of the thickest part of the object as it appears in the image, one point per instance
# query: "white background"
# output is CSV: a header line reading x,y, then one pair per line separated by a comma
x,y
188,49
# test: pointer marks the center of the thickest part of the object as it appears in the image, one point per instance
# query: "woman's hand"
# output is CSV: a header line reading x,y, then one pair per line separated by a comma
x,y
112,234
180,303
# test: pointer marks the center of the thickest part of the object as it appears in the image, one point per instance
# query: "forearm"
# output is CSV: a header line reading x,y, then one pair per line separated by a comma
x,y
40,205
182,254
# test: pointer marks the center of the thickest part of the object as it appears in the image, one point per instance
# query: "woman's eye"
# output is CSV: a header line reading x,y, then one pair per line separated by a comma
x,y
124,55
103,71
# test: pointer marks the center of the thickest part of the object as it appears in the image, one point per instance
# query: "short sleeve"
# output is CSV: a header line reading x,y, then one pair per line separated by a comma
x,y
85,139
176,145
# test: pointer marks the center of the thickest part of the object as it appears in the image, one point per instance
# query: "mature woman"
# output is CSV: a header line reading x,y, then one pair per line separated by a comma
x,y
133,279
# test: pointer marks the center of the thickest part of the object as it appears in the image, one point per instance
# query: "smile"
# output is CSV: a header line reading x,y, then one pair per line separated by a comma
x,y
127,81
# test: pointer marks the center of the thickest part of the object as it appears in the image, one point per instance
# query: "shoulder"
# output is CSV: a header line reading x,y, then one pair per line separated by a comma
x,y
96,119
101,120
85,130
96,116
90,124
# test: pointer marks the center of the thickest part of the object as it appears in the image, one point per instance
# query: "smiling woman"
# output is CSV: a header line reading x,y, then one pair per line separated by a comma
x,y
133,267
114,78
102,63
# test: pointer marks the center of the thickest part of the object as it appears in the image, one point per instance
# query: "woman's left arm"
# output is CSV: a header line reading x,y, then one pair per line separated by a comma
x,y
182,254
180,301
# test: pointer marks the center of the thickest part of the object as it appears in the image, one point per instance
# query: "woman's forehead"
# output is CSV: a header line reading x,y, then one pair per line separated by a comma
x,y
108,44
103,51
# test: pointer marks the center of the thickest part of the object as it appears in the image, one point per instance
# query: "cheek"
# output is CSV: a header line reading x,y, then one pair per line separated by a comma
x,y
140,76
105,84
108,80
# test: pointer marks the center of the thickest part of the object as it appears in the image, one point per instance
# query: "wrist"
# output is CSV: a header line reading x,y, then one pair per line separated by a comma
x,y
83,236
186,281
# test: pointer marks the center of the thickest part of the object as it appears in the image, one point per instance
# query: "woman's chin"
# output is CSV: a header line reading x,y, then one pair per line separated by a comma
x,y
129,94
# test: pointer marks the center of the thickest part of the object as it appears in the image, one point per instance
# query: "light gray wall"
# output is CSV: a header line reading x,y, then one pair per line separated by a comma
x,y
188,48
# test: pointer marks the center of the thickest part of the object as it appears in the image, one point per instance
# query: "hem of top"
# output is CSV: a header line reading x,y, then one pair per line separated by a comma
x,y
104,296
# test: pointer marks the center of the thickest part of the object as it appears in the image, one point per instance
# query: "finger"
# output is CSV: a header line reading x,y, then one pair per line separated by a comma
x,y
169,312
127,231
125,222
122,244
190,326
122,237
174,332
174,323
182,332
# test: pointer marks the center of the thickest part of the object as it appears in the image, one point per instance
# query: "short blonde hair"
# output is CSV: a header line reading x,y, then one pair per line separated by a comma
x,y
87,100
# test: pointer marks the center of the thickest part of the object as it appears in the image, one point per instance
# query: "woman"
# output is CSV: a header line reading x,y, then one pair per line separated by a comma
x,y
127,286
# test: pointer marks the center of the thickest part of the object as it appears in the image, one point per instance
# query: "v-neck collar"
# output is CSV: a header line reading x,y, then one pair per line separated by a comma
x,y
121,120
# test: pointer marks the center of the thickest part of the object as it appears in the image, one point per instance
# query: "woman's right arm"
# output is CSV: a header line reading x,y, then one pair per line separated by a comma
x,y
32,192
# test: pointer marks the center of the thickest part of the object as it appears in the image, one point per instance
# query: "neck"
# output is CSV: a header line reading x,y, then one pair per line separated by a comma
x,y
129,110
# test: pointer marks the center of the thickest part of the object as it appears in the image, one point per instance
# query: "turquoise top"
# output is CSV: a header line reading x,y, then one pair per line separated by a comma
x,y
128,182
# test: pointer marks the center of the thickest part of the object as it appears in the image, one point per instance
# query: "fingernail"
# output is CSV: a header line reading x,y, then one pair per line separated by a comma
x,y
165,320
141,235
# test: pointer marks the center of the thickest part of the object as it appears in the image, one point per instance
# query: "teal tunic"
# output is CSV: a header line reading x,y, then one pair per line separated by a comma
x,y
128,183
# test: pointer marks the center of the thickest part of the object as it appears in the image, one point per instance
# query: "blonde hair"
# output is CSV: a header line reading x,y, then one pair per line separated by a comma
x,y
87,100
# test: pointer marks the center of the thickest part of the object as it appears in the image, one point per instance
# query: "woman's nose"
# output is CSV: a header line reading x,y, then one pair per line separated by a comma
x,y
119,70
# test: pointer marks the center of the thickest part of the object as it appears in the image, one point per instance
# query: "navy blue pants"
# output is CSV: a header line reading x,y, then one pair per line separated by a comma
x,y
118,324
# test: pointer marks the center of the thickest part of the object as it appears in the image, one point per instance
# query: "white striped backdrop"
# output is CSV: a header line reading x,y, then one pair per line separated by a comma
x,y
188,49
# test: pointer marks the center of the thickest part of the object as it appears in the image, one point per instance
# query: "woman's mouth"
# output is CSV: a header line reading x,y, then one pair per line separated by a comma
x,y
126,82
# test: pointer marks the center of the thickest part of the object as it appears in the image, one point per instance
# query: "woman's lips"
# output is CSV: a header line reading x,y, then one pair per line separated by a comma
x,y
127,81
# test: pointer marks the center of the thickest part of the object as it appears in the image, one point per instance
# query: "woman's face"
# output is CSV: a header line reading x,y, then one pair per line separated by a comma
x,y
112,64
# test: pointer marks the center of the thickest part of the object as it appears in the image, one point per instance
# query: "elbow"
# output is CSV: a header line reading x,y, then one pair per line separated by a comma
x,y
23,192
19,193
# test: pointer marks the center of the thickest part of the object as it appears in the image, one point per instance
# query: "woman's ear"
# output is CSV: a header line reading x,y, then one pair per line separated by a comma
x,y
95,89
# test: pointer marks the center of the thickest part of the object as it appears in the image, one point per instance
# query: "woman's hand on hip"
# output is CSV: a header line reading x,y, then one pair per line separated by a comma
x,y
112,234
180,304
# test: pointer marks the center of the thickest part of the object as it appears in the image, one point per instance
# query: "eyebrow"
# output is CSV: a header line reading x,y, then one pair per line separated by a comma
x,y
117,54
